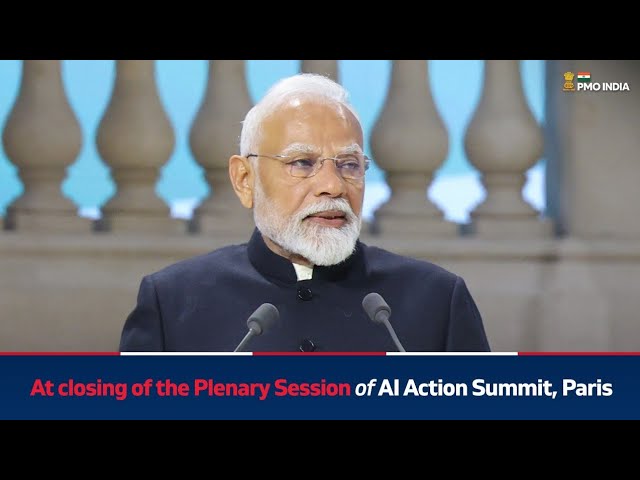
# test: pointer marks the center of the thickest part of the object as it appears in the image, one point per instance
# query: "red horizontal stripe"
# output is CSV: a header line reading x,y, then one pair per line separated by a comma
x,y
579,353
584,73
38,354
351,354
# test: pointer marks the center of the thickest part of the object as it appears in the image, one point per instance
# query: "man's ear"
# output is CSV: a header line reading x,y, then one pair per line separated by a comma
x,y
241,174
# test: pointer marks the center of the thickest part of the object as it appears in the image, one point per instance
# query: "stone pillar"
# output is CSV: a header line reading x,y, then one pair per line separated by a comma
x,y
214,138
503,140
42,137
328,68
135,139
410,142
593,161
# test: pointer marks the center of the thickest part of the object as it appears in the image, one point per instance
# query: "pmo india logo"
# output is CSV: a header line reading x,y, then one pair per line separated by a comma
x,y
583,83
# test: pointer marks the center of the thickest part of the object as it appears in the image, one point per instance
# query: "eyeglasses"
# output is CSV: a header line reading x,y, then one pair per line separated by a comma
x,y
350,166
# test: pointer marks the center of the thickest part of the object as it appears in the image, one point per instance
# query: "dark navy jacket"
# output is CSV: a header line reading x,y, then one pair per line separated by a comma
x,y
202,304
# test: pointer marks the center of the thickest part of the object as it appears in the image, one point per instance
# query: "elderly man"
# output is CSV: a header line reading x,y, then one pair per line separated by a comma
x,y
301,169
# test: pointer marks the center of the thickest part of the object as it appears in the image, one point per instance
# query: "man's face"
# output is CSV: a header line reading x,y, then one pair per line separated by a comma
x,y
317,218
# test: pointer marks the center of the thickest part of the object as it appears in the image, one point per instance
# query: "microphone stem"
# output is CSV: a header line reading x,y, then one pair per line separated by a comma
x,y
245,340
394,337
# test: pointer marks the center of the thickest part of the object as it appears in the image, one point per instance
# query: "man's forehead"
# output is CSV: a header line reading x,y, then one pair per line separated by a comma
x,y
310,127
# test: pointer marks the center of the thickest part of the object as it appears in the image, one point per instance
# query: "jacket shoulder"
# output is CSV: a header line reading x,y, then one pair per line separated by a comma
x,y
205,265
383,262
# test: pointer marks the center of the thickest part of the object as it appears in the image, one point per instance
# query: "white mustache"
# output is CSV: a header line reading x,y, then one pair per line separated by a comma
x,y
339,204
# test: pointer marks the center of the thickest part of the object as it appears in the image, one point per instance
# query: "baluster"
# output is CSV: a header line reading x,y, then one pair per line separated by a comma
x,y
214,138
410,142
135,139
503,140
328,68
42,137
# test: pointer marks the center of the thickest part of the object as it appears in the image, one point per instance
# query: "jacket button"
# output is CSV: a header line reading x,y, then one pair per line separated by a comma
x,y
304,293
307,345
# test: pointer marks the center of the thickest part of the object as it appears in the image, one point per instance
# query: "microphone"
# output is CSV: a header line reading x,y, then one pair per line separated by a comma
x,y
265,317
379,312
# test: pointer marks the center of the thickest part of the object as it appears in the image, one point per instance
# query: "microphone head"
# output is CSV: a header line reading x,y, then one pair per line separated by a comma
x,y
265,317
374,304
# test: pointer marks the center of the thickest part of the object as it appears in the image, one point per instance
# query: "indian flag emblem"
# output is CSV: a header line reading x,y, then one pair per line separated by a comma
x,y
584,77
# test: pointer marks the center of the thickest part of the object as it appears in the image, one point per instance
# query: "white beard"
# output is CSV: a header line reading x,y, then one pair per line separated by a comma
x,y
319,244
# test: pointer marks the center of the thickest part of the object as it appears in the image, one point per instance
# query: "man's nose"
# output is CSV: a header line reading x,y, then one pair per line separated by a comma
x,y
328,180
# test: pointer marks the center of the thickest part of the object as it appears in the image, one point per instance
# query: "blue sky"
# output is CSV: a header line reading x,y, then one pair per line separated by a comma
x,y
456,86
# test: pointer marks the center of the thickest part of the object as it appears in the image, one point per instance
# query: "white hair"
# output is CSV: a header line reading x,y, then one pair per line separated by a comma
x,y
303,85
